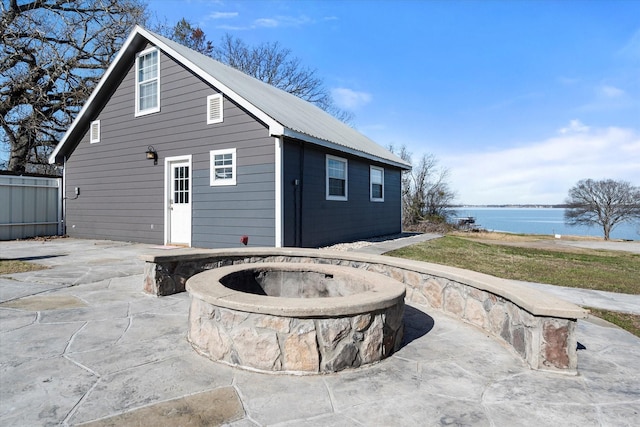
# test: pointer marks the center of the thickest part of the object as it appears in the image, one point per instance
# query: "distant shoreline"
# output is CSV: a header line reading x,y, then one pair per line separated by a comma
x,y
576,237
536,219
532,206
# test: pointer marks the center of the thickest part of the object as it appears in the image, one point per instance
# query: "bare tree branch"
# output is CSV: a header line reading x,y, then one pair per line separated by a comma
x,y
606,203
52,54
426,194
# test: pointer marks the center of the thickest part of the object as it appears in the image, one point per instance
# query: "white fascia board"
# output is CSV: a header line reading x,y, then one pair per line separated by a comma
x,y
275,128
94,94
328,144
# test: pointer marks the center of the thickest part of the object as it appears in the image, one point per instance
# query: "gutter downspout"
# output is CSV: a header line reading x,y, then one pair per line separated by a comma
x,y
299,189
62,226
279,226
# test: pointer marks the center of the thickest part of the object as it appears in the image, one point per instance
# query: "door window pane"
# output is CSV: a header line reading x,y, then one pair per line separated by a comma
x,y
181,184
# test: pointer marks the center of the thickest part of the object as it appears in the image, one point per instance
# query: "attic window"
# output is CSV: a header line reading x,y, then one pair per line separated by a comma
x,y
214,108
94,132
147,82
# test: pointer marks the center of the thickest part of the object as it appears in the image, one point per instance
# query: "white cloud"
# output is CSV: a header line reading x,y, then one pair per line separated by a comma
x,y
631,49
611,91
575,126
222,15
608,97
266,22
282,21
543,171
350,99
232,27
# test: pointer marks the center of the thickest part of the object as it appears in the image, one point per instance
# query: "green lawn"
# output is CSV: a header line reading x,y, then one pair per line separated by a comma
x,y
629,322
612,271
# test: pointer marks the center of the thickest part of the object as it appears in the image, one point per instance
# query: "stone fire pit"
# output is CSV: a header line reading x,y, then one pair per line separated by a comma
x,y
292,317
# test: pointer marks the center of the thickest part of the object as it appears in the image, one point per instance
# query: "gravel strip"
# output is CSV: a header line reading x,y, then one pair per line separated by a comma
x,y
342,247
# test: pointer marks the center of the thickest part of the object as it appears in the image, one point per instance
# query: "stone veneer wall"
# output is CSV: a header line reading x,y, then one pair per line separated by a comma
x,y
282,344
540,328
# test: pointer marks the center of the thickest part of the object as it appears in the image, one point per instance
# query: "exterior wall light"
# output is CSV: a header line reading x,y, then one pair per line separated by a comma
x,y
152,154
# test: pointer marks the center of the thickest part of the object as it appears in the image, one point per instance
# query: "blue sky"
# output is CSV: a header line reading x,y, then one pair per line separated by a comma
x,y
518,99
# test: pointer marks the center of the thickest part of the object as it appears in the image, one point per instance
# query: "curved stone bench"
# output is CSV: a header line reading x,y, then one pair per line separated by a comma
x,y
538,326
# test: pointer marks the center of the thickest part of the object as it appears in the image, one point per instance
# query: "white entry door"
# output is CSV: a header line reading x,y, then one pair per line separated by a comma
x,y
179,202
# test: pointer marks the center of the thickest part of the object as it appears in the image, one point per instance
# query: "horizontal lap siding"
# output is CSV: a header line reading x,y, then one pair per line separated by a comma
x,y
122,193
324,222
226,213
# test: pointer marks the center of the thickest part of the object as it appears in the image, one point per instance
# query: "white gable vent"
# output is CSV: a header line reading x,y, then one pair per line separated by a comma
x,y
214,108
94,132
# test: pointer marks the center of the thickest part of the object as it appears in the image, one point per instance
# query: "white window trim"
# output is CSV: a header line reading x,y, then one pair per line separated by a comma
x,y
218,182
346,178
137,100
92,138
219,119
375,199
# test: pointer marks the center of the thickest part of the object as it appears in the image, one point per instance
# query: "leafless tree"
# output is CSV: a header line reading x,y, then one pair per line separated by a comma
x,y
268,62
274,65
185,33
426,194
52,54
606,203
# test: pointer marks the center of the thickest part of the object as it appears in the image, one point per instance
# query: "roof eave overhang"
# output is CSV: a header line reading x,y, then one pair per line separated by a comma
x,y
332,145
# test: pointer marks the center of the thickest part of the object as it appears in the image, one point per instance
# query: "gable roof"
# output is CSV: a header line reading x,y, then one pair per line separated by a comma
x,y
284,114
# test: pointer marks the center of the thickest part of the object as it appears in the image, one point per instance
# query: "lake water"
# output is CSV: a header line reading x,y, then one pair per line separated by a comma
x,y
540,221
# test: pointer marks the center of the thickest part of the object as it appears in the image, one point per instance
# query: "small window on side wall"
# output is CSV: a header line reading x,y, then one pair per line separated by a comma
x,y
223,167
214,109
337,178
94,132
377,184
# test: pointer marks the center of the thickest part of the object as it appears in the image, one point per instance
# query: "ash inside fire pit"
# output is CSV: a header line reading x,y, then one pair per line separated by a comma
x,y
294,284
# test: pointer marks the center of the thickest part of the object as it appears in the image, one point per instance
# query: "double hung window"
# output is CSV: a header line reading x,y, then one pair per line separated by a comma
x,y
376,181
337,178
147,82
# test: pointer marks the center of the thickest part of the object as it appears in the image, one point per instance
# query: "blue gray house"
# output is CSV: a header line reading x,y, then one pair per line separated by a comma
x,y
173,147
